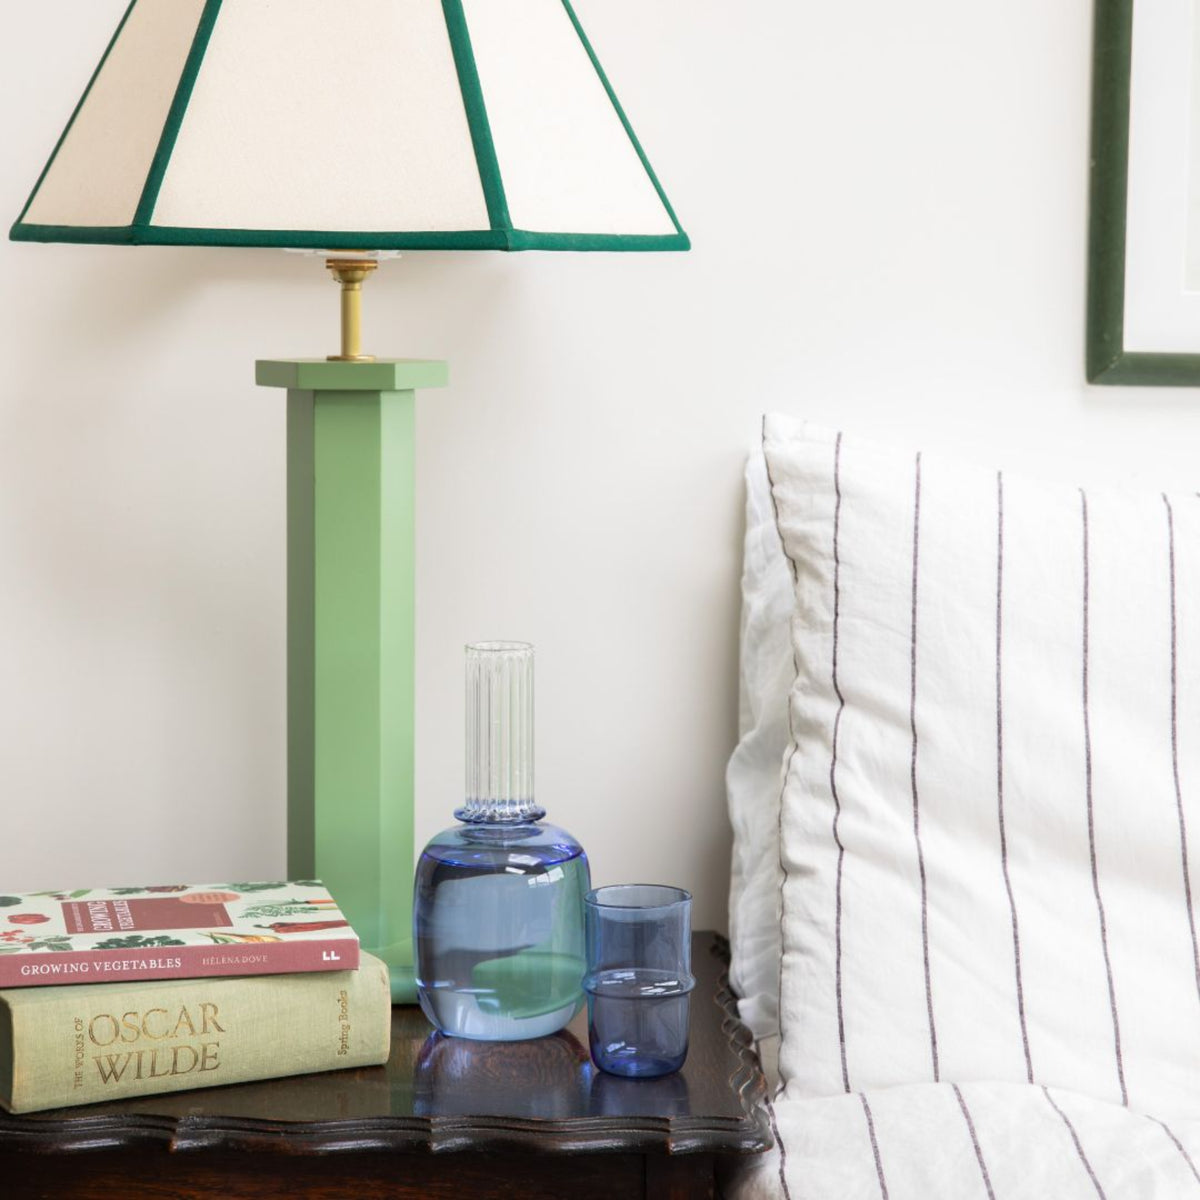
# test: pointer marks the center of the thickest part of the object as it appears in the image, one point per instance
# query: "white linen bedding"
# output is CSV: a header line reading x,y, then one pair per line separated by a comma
x,y
970,1141
963,909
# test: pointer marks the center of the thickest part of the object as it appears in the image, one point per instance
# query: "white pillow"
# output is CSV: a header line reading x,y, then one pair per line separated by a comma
x,y
991,817
754,779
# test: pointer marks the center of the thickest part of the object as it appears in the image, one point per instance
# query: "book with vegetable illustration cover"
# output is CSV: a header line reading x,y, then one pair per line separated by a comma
x,y
172,931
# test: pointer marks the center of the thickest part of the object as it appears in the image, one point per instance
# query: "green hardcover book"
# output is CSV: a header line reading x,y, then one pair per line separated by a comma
x,y
62,1046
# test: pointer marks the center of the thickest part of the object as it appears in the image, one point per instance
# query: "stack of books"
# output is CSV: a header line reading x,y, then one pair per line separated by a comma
x,y
107,993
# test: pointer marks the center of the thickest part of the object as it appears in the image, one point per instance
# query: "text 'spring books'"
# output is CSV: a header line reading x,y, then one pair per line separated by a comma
x,y
172,931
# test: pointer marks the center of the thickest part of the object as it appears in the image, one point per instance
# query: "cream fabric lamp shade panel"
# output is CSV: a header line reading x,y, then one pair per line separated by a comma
x,y
351,124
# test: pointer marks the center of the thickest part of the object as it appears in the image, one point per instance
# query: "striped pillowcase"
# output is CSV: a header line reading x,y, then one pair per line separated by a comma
x,y
990,821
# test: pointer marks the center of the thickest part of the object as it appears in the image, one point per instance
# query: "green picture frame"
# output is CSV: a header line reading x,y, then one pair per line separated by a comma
x,y
1109,362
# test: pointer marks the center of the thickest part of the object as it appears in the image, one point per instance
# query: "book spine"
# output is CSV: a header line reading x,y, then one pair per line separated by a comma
x,y
178,962
66,1046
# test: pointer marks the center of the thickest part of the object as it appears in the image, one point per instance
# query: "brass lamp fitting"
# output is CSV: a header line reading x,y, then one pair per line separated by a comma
x,y
350,273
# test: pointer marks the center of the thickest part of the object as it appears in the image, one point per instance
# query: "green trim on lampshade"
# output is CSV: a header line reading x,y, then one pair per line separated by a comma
x,y
175,115
625,122
500,236
292,239
87,91
469,86
522,239
273,239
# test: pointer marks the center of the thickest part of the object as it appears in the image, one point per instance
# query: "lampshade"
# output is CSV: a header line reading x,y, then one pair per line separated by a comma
x,y
351,124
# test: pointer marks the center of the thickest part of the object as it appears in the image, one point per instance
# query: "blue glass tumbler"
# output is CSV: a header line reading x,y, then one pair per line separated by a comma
x,y
639,978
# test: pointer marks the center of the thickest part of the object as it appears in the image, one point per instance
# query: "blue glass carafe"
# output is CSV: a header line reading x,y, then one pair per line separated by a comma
x,y
499,898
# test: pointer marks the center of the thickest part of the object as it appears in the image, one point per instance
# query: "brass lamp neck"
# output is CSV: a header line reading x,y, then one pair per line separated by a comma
x,y
350,273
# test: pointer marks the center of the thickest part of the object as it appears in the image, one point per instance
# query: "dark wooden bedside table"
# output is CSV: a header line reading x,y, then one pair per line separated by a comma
x,y
444,1119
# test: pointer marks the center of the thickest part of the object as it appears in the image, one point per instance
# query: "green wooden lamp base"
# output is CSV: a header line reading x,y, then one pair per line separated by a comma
x,y
351,634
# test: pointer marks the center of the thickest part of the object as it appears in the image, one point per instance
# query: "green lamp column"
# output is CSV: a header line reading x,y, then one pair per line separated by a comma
x,y
351,638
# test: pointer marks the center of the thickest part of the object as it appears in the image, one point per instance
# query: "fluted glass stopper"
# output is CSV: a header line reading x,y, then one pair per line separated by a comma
x,y
499,734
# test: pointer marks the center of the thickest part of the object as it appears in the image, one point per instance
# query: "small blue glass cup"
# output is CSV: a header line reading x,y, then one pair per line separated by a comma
x,y
639,978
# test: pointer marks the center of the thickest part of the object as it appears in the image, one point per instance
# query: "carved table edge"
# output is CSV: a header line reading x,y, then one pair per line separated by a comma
x,y
409,1135
748,1081
749,1134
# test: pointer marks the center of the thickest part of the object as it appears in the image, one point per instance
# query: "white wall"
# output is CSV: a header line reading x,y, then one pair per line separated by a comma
x,y
888,204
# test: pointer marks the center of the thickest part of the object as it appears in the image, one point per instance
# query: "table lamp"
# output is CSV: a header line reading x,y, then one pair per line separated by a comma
x,y
352,127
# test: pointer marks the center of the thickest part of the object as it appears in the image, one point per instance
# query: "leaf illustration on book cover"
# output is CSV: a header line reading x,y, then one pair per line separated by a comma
x,y
255,887
135,940
229,939
58,943
9,901
289,908
158,887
